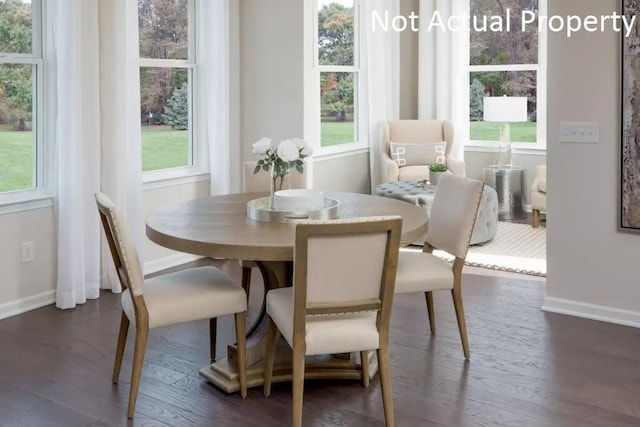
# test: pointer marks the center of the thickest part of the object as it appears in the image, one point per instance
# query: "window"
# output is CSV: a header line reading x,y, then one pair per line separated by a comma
x,y
21,104
167,64
507,63
338,71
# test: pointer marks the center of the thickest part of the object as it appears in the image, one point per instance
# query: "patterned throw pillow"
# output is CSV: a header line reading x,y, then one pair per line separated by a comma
x,y
418,154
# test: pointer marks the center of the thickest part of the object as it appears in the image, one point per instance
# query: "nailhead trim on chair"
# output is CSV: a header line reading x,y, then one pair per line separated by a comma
x,y
124,259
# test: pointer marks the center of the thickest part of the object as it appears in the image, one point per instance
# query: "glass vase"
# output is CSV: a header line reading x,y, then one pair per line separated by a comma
x,y
280,180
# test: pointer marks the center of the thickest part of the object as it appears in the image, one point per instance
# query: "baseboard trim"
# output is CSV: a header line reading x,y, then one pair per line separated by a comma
x,y
27,304
170,261
592,311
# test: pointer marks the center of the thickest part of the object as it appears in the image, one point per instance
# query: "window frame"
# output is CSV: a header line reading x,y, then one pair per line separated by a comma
x,y
360,116
541,96
196,166
41,167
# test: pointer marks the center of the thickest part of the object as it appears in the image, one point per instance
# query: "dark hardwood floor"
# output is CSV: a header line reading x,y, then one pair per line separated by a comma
x,y
527,368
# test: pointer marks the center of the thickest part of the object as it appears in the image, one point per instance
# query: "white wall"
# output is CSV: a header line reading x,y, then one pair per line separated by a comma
x,y
350,174
29,285
592,267
156,257
409,64
271,63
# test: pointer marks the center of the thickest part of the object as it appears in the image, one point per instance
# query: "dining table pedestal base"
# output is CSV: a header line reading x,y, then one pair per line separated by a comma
x,y
223,374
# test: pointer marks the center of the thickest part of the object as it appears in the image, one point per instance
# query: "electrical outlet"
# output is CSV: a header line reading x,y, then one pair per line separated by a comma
x,y
27,252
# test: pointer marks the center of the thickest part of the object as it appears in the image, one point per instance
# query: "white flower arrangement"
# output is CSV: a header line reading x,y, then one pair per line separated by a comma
x,y
279,160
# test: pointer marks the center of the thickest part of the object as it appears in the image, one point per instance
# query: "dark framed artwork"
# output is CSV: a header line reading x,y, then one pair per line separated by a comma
x,y
630,138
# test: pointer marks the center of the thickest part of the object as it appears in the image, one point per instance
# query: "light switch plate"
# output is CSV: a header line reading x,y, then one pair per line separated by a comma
x,y
581,132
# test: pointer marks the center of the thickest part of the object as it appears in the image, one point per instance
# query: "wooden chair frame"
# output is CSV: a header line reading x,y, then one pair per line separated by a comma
x,y
456,292
142,326
302,309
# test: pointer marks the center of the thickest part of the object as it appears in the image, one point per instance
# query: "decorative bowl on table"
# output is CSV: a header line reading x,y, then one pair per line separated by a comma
x,y
298,200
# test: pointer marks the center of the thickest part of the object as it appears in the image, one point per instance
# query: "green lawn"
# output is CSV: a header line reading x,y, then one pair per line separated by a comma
x,y
16,159
332,133
164,148
161,148
489,131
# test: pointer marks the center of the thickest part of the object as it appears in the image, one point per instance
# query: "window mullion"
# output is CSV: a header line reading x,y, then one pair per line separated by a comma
x,y
19,59
504,67
337,69
166,63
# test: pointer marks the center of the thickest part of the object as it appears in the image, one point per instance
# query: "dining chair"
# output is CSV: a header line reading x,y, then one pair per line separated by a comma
x,y
340,302
450,226
259,182
184,296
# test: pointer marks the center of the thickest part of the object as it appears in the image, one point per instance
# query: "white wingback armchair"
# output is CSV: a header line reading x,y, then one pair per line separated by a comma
x,y
412,133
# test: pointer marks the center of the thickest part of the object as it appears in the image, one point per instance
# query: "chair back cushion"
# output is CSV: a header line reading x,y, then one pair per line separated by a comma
x,y
453,214
345,265
261,181
123,251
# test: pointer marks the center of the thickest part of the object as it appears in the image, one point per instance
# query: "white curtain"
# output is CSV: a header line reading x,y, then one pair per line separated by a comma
x,y
214,78
73,122
443,83
381,57
121,159
92,85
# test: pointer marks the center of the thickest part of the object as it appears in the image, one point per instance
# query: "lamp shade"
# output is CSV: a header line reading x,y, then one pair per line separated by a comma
x,y
505,109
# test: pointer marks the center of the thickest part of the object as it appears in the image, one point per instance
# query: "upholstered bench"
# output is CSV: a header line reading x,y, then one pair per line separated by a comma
x,y
422,195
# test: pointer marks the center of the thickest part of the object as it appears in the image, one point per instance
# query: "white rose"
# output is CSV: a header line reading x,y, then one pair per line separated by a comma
x,y
288,151
299,143
306,151
261,147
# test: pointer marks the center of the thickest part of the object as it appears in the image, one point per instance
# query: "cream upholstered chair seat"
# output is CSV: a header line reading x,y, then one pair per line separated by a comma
x,y
342,333
412,173
196,293
184,296
409,146
411,273
340,302
451,224
539,194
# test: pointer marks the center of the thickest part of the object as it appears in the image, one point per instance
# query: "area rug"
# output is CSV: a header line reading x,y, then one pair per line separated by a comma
x,y
518,248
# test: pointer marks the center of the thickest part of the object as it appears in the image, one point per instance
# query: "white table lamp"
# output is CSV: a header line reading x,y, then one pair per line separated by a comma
x,y
505,109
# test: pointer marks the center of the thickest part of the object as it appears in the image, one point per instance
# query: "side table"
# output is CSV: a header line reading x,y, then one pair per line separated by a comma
x,y
509,183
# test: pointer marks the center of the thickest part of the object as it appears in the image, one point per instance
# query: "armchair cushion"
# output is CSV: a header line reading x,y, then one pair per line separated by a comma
x,y
418,154
413,173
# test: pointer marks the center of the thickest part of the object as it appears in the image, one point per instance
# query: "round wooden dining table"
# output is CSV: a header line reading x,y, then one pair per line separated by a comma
x,y
219,227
